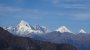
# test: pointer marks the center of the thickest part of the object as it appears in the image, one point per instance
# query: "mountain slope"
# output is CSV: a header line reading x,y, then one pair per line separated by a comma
x,y
11,42
82,41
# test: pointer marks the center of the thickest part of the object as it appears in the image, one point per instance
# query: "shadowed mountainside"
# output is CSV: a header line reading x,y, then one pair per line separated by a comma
x,y
11,42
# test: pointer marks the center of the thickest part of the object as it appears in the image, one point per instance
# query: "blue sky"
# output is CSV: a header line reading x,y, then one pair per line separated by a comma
x,y
74,14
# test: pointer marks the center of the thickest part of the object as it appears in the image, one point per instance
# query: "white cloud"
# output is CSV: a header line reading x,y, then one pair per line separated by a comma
x,y
70,3
79,6
20,1
37,14
82,16
9,11
55,1
75,6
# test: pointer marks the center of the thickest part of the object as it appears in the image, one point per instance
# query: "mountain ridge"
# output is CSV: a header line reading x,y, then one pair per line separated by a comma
x,y
24,26
24,29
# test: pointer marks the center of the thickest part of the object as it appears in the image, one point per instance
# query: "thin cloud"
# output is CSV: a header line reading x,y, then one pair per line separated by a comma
x,y
70,5
8,11
76,16
75,6
82,16
20,1
55,1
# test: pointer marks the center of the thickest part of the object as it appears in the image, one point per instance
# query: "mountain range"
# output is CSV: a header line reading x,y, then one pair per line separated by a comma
x,y
24,28
80,40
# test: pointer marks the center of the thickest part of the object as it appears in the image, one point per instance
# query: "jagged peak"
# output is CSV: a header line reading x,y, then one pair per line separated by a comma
x,y
63,29
41,28
24,23
82,31
24,26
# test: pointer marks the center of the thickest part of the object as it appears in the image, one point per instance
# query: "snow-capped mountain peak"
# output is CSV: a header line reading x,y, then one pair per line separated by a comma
x,y
24,26
63,29
82,31
25,29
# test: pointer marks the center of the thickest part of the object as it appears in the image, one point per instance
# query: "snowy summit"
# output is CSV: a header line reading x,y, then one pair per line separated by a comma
x,y
63,29
24,28
82,31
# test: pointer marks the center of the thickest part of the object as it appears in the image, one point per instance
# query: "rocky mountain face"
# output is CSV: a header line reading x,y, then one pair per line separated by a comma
x,y
9,41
